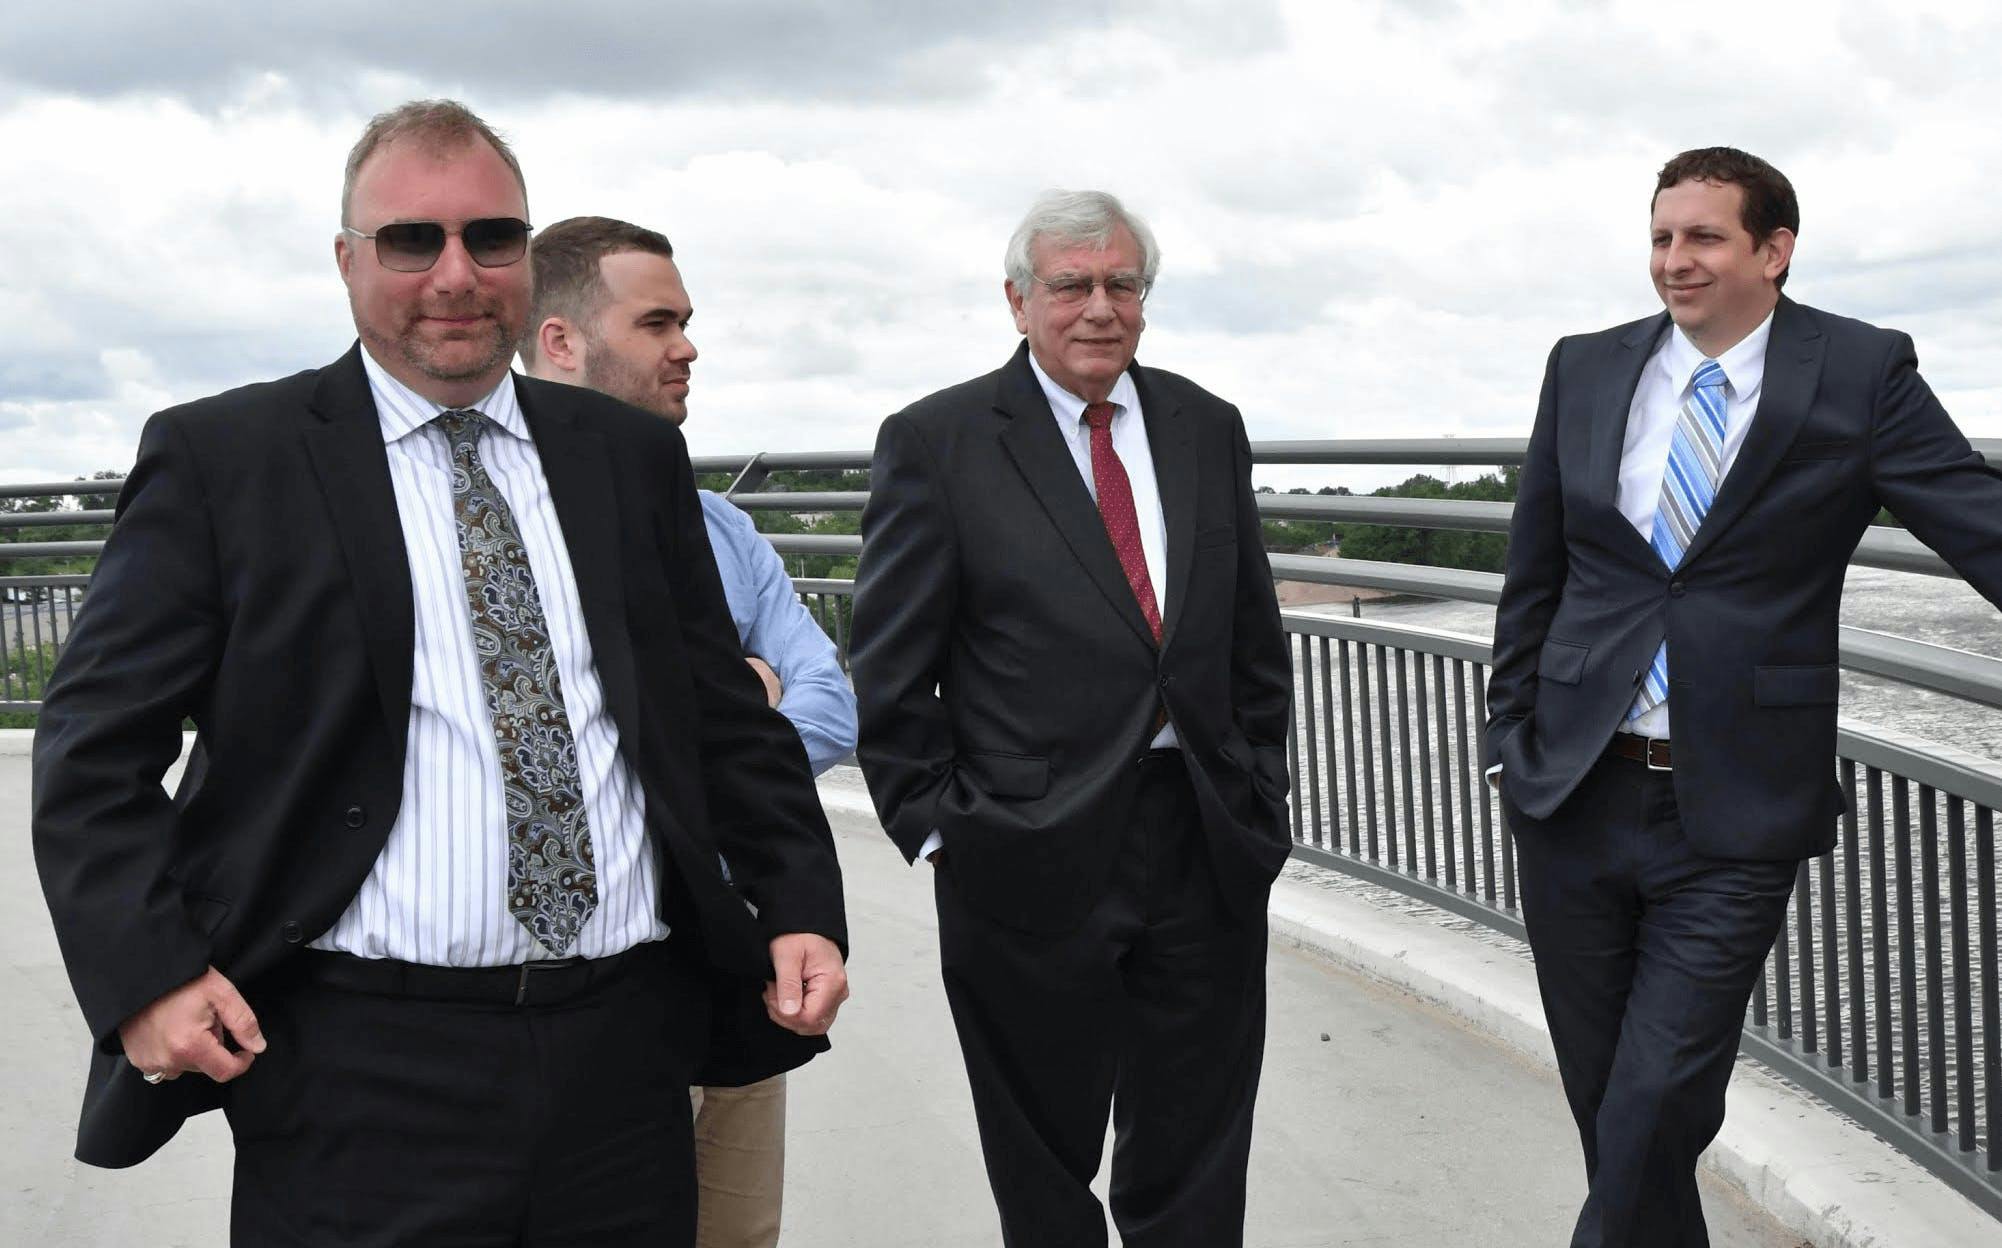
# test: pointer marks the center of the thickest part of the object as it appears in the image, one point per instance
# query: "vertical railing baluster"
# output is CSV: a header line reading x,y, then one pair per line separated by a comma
x,y
1936,1090
38,656
1963,995
1384,756
1831,960
1880,948
1487,801
1803,900
1334,840
1781,962
1293,768
1349,750
1908,954
1368,743
1991,981
1312,744
1404,763
1471,782
1425,750
1444,747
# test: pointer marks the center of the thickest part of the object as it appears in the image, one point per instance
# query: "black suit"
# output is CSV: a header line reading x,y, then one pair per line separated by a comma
x,y
1008,687
256,582
1645,1002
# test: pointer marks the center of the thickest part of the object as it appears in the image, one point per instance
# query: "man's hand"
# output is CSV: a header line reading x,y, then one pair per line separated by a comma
x,y
773,689
811,986
184,1031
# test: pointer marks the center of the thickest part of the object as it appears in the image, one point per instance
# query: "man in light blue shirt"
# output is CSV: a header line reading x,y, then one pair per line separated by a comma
x,y
611,313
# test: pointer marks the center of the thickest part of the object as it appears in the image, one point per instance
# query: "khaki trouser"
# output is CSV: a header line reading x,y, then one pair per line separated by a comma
x,y
740,1160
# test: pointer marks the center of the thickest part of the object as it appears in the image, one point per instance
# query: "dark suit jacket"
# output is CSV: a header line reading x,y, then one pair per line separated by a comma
x,y
1844,425
1005,678
256,581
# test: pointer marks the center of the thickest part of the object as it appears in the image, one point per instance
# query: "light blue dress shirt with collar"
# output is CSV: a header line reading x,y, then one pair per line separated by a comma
x,y
773,624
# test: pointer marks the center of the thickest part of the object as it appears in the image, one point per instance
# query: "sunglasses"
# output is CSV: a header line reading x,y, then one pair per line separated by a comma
x,y
414,246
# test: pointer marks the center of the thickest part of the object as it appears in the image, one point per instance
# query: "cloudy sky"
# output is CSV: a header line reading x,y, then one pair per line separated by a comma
x,y
1375,216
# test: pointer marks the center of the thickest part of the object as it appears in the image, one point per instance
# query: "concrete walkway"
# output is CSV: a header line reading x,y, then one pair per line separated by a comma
x,y
1382,1121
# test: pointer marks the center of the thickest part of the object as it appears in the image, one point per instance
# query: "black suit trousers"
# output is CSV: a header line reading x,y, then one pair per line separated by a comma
x,y
1152,1010
1646,953
376,1120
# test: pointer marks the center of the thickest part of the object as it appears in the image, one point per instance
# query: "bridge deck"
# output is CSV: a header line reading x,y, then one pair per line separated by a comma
x,y
1399,1128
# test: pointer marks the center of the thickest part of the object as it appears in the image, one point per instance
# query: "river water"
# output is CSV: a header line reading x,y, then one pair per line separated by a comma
x,y
1939,610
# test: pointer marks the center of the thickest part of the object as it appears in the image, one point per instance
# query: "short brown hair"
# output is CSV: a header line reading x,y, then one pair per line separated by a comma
x,y
1769,199
442,124
568,280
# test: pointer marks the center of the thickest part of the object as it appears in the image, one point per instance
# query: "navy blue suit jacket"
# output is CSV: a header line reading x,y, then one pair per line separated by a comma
x,y
1844,425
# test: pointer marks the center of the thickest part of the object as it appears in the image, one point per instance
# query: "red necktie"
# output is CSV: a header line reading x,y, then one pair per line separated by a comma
x,y
1115,507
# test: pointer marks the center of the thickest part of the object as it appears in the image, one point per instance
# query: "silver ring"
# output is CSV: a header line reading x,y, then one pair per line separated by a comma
x,y
155,1076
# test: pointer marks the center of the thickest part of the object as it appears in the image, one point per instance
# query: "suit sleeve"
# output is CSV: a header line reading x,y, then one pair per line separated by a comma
x,y
1931,478
1534,580
905,597
1260,669
140,659
761,801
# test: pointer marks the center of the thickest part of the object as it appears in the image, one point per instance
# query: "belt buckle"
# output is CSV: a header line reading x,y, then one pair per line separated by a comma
x,y
546,964
1647,754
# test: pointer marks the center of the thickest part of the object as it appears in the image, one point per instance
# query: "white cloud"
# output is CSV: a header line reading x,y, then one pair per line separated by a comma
x,y
1376,217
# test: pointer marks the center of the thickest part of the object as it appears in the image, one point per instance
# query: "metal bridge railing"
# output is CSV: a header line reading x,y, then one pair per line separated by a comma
x,y
1881,994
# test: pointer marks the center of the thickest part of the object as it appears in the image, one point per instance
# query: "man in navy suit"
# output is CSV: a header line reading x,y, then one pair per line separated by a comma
x,y
1662,708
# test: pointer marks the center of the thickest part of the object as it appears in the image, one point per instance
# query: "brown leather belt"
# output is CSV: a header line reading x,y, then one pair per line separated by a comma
x,y
1653,751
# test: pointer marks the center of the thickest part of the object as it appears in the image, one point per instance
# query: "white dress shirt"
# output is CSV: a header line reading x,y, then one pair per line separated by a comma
x,y
1657,407
1136,455
438,892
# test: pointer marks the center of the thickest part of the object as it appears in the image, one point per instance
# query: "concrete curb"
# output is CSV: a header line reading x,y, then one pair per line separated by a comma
x,y
16,742
1817,1173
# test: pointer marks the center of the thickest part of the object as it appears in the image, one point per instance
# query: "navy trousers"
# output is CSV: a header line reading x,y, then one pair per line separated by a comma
x,y
1646,953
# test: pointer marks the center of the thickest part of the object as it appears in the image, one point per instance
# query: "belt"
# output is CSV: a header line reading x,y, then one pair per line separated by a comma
x,y
1654,751
526,984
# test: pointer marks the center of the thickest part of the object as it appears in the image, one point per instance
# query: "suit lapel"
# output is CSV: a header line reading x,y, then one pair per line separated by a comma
x,y
1614,404
579,472
1175,479
344,443
1030,437
1612,408
1793,370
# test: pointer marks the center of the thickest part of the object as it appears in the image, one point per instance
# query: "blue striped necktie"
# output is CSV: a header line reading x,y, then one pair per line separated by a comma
x,y
1695,463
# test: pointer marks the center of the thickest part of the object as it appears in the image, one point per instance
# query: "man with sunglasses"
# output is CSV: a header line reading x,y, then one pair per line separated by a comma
x,y
1074,694
436,914
611,313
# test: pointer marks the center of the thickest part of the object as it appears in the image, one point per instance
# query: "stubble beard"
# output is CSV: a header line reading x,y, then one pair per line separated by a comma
x,y
606,373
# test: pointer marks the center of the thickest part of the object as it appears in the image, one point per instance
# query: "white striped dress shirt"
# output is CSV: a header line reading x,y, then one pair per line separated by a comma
x,y
438,893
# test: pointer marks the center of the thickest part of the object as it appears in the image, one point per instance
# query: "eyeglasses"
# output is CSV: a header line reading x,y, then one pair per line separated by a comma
x,y
1076,288
414,246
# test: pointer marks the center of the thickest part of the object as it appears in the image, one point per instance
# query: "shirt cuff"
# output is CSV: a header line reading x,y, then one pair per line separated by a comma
x,y
932,842
1494,775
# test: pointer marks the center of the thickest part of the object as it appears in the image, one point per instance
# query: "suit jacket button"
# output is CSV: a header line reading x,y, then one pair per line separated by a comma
x,y
292,932
356,816
1167,680
1677,589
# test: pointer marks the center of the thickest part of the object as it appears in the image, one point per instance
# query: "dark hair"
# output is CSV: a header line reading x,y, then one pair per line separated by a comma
x,y
440,124
568,281
1769,199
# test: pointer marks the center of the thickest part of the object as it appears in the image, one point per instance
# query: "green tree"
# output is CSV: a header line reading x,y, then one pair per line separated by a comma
x,y
1439,548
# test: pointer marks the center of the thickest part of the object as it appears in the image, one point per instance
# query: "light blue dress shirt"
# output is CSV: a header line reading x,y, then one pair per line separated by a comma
x,y
775,625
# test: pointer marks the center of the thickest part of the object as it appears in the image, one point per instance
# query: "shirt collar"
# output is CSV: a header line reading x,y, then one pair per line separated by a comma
x,y
1069,408
1744,365
403,411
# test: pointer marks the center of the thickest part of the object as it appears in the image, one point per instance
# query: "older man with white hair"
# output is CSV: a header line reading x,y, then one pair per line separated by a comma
x,y
1073,697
